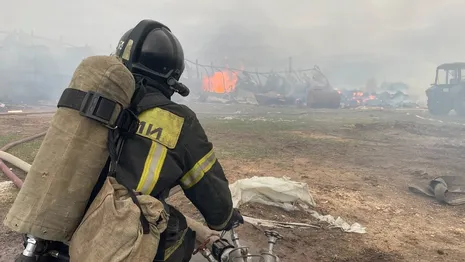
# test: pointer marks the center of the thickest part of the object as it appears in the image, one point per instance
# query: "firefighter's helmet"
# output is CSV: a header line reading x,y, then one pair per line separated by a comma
x,y
151,49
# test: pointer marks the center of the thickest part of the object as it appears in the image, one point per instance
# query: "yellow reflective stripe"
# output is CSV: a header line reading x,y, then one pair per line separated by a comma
x,y
220,227
198,171
152,168
169,251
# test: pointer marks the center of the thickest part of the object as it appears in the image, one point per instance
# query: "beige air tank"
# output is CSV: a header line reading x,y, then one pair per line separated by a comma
x,y
51,203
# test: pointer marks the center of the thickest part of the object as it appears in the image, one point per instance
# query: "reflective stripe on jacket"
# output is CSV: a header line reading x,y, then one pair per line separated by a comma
x,y
171,148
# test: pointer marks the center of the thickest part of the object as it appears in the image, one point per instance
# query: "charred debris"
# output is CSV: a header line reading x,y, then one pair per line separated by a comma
x,y
387,95
310,88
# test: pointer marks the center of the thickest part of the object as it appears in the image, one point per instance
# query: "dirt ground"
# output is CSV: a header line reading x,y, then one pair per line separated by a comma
x,y
357,164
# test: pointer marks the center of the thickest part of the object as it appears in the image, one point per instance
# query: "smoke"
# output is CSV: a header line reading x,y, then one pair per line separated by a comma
x,y
351,41
32,71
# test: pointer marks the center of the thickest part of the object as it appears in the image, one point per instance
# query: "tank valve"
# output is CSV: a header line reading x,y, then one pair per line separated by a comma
x,y
273,237
29,252
31,245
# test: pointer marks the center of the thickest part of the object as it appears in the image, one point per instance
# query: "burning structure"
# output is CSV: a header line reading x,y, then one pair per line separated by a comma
x,y
388,95
221,82
306,87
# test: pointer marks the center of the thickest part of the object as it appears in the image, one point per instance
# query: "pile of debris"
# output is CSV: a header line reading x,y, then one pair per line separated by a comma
x,y
357,98
388,95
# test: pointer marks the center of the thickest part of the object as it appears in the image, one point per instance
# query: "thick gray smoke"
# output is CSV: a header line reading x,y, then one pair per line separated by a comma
x,y
352,41
34,69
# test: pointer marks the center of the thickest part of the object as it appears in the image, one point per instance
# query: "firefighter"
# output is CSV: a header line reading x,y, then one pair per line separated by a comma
x,y
170,147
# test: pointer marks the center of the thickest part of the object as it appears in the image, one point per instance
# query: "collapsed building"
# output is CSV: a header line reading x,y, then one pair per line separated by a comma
x,y
302,88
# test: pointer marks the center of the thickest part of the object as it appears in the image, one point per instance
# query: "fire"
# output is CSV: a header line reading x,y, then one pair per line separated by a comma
x,y
361,97
370,97
220,82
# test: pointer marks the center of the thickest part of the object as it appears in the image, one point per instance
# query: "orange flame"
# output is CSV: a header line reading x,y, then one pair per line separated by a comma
x,y
220,82
371,97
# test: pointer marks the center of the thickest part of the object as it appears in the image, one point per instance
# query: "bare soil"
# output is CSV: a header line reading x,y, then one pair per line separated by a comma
x,y
357,164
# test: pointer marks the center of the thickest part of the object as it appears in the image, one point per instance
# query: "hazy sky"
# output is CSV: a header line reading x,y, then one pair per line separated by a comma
x,y
351,40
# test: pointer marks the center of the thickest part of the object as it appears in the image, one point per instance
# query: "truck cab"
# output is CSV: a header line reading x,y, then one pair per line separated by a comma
x,y
448,91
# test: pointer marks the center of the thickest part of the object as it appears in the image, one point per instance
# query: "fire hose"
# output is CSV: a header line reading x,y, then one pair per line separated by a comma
x,y
212,245
14,160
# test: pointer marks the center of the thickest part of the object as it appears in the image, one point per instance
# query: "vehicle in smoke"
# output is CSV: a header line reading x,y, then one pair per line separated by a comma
x,y
448,91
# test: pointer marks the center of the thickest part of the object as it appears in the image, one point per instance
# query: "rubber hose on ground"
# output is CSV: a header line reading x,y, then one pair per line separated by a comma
x,y
15,160
24,140
12,176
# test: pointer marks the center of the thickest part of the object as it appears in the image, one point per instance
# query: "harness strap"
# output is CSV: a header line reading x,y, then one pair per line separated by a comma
x,y
101,109
115,144
91,105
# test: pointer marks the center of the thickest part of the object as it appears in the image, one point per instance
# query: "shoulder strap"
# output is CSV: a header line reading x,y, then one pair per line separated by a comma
x,y
99,108
90,104
115,144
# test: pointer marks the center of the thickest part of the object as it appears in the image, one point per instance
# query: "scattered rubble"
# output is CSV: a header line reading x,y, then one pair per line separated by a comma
x,y
385,99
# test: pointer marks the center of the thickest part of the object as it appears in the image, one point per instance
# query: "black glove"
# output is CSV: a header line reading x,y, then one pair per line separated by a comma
x,y
236,219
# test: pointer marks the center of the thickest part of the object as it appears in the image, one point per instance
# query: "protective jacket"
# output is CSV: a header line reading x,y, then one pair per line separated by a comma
x,y
169,149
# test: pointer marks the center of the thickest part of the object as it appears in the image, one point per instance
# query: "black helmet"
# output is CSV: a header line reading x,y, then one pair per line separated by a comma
x,y
151,50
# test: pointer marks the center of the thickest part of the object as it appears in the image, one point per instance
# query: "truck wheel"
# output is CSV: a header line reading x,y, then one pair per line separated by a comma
x,y
436,107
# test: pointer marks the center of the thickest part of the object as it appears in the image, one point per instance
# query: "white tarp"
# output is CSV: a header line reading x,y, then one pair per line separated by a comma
x,y
272,191
284,193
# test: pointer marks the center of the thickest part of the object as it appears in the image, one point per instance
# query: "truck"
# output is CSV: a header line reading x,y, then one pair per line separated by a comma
x,y
447,93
